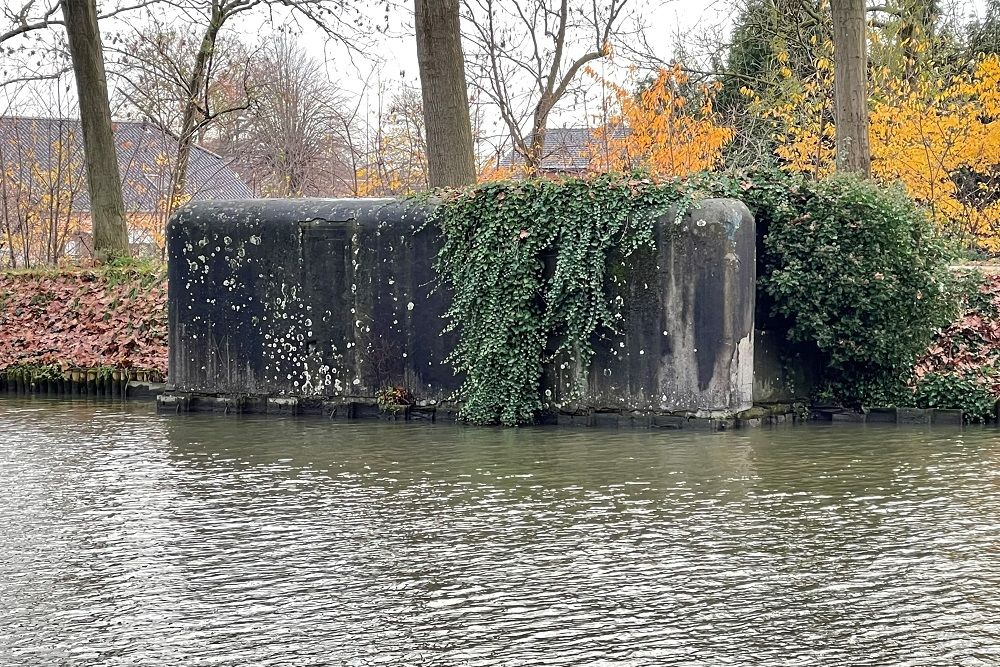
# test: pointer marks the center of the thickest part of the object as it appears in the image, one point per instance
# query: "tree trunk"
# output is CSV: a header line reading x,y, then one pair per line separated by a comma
x,y
189,118
536,147
450,159
107,211
917,25
850,75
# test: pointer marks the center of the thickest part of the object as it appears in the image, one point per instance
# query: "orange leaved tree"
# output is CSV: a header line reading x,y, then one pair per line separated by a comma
x,y
660,129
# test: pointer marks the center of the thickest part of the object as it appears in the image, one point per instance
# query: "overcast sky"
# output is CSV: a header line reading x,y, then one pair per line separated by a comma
x,y
391,61
387,61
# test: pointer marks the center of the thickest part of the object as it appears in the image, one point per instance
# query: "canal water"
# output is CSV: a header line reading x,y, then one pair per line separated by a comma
x,y
128,538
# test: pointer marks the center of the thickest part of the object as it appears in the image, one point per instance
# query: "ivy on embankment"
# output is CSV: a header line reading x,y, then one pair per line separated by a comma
x,y
507,307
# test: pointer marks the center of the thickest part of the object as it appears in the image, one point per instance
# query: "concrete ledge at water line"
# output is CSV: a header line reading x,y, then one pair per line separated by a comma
x,y
899,416
360,408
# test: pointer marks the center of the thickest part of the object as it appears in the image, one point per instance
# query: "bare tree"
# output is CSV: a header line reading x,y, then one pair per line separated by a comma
x,y
291,140
450,160
104,183
152,64
80,19
31,15
331,16
393,155
40,185
545,42
850,50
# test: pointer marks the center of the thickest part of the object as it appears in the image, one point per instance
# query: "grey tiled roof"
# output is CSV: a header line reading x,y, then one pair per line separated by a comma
x,y
145,154
566,149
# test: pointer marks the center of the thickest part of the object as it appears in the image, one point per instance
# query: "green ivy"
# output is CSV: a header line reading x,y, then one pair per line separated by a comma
x,y
956,392
508,306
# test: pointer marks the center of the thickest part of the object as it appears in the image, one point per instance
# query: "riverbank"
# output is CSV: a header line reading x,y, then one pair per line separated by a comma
x,y
92,331
80,324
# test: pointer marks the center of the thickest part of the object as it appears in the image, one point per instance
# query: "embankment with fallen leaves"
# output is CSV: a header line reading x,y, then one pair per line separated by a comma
x,y
84,319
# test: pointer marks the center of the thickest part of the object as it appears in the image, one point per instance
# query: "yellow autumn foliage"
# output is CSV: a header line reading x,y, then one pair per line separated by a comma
x,y
937,135
940,139
660,130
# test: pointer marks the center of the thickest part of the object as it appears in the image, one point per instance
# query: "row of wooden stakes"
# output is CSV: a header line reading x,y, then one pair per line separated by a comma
x,y
110,382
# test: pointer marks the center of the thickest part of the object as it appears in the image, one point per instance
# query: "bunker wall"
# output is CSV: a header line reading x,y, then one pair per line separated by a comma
x,y
337,299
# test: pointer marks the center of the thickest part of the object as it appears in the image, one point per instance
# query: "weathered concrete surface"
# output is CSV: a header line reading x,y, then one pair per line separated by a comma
x,y
687,338
312,298
783,371
334,299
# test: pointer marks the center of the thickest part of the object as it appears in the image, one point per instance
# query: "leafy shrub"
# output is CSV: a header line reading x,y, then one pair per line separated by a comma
x,y
860,271
956,392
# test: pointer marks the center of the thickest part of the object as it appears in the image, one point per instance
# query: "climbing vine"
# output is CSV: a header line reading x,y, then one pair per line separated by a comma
x,y
527,262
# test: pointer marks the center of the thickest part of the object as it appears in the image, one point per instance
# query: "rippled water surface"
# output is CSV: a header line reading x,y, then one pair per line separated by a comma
x,y
132,539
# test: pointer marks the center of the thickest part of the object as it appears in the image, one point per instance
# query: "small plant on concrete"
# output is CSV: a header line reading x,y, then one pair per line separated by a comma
x,y
393,399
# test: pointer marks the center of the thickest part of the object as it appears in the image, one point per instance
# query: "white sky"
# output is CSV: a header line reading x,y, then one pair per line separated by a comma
x,y
388,61
392,62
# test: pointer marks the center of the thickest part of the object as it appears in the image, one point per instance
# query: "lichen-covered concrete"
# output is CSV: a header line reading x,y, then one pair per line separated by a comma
x,y
312,298
336,299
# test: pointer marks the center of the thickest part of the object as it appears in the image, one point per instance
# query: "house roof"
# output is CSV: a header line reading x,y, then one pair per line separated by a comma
x,y
566,149
145,157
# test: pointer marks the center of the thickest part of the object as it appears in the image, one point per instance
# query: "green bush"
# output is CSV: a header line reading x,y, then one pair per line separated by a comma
x,y
955,392
860,271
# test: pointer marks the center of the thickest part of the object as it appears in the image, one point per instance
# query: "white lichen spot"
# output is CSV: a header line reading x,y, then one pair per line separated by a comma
x,y
409,305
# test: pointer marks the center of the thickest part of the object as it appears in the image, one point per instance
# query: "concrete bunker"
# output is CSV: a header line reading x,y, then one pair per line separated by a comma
x,y
316,305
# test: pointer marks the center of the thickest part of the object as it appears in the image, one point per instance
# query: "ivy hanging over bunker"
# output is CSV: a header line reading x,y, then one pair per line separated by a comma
x,y
507,308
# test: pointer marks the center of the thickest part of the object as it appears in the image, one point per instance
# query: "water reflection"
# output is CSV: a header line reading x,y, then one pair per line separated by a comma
x,y
127,538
